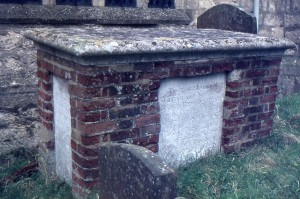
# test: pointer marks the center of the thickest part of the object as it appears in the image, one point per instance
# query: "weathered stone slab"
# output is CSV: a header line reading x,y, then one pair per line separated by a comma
x,y
129,171
191,117
103,45
62,129
228,17
62,14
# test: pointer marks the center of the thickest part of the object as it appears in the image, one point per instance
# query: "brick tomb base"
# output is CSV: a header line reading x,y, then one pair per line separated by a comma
x,y
114,96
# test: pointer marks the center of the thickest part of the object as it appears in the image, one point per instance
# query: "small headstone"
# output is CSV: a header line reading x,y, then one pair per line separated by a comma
x,y
228,17
128,171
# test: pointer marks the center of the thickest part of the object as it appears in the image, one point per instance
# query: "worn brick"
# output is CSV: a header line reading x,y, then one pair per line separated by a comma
x,y
46,66
244,64
124,112
43,75
125,124
46,86
90,140
84,183
255,109
232,94
228,131
150,108
46,115
231,104
143,66
257,91
264,116
256,73
222,67
175,72
83,161
85,173
147,140
164,64
233,122
270,81
271,62
253,101
126,100
112,90
149,130
251,127
154,85
145,97
46,105
95,104
87,151
89,116
152,147
146,120
128,77
252,118
47,124
123,134
96,128
84,92
268,99
203,70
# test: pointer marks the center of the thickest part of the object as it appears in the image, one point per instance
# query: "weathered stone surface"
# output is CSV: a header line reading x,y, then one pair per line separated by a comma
x,y
292,6
60,14
228,17
17,63
62,126
291,21
289,79
293,35
191,118
18,90
104,41
129,171
18,129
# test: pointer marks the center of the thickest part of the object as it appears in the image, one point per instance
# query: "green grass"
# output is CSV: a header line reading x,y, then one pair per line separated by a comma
x,y
29,187
269,169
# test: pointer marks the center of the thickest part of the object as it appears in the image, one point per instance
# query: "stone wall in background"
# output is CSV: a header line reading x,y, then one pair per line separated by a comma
x,y
278,18
18,90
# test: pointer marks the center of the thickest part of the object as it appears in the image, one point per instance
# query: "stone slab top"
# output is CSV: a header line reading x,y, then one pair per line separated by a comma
x,y
88,41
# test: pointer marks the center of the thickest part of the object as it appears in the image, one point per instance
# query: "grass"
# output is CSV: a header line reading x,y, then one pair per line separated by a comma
x,y
29,187
269,169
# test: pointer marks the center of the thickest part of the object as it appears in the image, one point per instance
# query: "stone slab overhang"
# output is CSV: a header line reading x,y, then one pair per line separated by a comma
x,y
94,44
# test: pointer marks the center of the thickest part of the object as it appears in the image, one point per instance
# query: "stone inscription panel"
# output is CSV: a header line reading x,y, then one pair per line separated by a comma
x,y
191,117
62,129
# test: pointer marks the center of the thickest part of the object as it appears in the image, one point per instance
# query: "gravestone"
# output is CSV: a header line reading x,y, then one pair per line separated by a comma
x,y
191,117
228,17
130,171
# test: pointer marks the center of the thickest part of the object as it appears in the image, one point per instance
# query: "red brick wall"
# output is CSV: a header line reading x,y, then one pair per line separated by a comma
x,y
119,103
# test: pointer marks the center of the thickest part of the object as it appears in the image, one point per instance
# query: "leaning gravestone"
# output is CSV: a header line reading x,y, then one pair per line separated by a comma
x,y
228,17
129,171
